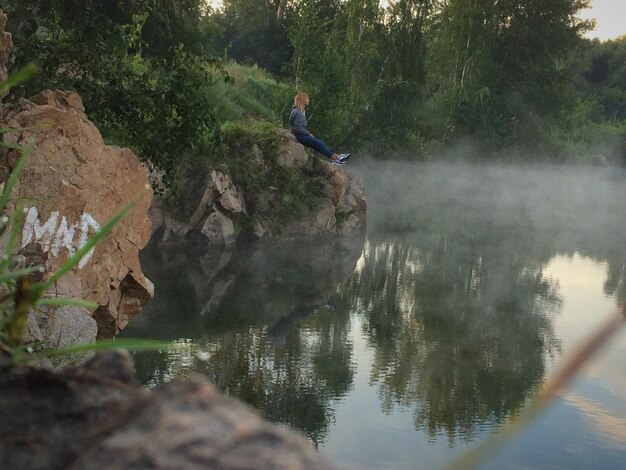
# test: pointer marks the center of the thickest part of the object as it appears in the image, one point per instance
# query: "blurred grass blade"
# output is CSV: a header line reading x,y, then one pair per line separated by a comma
x,y
15,328
18,77
13,146
14,176
130,344
15,222
8,130
61,301
8,276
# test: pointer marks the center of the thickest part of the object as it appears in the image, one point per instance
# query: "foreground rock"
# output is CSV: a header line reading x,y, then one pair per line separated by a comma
x,y
218,206
71,186
95,417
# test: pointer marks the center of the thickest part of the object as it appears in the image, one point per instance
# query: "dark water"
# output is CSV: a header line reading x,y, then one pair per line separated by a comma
x,y
409,345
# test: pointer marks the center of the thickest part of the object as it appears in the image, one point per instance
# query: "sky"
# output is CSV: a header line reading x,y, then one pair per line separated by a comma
x,y
609,18
608,14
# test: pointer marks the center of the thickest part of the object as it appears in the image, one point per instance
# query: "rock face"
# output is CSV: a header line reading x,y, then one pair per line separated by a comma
x,y
341,202
291,153
217,205
6,46
216,202
82,418
71,186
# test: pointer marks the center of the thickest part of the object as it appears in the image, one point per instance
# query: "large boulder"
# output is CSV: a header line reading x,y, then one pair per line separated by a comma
x,y
291,154
340,210
341,203
352,206
71,186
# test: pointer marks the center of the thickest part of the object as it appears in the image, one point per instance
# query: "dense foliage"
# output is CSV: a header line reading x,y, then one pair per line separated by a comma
x,y
407,77
599,116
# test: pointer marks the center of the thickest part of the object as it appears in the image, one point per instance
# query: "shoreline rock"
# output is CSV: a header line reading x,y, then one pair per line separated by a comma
x,y
83,417
71,186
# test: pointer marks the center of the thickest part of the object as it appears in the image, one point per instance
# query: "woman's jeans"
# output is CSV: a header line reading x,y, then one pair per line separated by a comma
x,y
316,144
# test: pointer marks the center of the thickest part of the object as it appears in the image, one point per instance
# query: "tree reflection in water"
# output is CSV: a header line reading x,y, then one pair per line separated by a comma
x,y
264,323
458,335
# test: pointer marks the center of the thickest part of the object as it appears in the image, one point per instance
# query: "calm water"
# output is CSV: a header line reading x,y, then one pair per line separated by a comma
x,y
415,342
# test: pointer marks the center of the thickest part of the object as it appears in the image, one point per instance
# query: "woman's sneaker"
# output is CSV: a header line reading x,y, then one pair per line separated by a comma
x,y
336,160
343,157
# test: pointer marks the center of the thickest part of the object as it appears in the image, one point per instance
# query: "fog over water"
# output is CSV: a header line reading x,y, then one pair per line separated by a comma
x,y
544,209
572,204
408,345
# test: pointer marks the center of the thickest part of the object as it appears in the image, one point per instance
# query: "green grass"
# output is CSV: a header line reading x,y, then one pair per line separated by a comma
x,y
252,93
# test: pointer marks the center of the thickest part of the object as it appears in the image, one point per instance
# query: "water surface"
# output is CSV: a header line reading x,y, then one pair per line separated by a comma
x,y
406,346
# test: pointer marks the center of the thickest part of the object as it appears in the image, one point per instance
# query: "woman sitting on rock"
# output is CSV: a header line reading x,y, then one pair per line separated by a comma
x,y
298,125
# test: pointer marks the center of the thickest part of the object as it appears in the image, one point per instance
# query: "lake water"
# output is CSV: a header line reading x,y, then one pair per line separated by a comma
x,y
415,342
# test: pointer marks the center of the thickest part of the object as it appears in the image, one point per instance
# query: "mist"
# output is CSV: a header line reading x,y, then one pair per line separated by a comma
x,y
567,205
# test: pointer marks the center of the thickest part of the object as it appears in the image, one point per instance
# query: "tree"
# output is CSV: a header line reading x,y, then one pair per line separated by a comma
x,y
277,9
137,99
317,31
600,72
400,74
497,67
254,32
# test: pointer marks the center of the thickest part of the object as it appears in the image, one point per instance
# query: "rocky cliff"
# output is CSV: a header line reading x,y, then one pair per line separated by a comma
x,y
72,185
218,205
